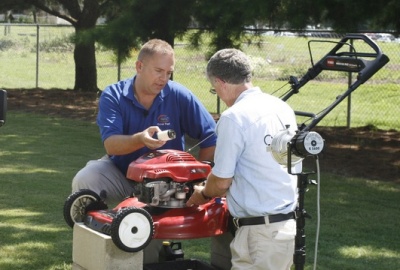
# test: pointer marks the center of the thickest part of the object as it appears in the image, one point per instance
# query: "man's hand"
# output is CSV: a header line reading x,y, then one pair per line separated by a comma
x,y
215,187
197,197
147,139
126,144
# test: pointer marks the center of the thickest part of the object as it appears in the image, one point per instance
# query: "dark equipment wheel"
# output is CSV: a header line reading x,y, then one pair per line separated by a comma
x,y
132,229
76,205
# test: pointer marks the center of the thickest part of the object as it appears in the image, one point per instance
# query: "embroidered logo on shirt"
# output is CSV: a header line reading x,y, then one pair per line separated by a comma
x,y
163,120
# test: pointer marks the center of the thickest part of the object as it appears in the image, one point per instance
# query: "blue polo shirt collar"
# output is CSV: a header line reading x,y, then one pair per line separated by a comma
x,y
128,91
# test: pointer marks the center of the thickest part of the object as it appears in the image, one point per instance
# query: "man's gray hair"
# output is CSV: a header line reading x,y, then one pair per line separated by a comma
x,y
230,65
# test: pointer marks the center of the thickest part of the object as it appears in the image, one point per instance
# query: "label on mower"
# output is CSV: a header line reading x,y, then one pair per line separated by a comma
x,y
313,143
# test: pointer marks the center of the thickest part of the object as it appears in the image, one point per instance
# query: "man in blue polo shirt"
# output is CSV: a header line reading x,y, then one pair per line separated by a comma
x,y
131,112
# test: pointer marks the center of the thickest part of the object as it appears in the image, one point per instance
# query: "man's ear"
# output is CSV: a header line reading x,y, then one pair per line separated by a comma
x,y
221,82
139,66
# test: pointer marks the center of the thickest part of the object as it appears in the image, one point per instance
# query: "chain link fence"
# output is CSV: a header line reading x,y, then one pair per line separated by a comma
x,y
42,56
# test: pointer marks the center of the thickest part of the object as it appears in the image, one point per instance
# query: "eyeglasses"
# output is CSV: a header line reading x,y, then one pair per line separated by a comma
x,y
212,91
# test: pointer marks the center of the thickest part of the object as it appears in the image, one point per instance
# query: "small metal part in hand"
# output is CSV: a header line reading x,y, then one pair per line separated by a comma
x,y
166,135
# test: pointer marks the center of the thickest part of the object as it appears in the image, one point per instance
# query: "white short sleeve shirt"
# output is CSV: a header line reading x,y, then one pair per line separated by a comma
x,y
260,186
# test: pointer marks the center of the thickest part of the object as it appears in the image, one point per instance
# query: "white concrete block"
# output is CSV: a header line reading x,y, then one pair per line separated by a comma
x,y
92,250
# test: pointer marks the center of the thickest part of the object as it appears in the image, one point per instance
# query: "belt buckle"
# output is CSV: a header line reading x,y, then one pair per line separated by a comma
x,y
236,222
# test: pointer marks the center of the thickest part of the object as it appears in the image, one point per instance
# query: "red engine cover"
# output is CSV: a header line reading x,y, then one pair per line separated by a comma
x,y
177,165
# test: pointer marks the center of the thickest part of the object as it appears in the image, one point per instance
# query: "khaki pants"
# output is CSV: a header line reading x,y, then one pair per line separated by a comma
x,y
264,247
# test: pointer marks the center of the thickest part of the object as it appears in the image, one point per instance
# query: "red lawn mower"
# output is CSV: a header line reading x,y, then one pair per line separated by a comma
x,y
166,178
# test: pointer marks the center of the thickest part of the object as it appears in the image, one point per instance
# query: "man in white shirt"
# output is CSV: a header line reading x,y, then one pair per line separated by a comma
x,y
261,195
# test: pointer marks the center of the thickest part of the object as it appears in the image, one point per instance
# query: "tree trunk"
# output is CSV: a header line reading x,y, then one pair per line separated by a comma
x,y
85,66
84,52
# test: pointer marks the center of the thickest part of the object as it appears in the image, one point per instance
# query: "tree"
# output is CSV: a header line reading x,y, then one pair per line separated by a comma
x,y
133,22
225,20
222,20
359,15
225,28
389,17
83,15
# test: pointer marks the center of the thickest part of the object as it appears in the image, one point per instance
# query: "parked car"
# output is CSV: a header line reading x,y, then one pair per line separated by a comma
x,y
384,37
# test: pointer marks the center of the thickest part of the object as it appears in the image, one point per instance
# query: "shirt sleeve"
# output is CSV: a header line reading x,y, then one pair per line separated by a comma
x,y
109,118
230,146
197,121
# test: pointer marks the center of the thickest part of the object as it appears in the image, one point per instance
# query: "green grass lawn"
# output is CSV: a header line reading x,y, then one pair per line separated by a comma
x,y
40,155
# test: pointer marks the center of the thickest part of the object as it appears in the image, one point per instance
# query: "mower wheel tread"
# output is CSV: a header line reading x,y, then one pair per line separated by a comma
x,y
75,206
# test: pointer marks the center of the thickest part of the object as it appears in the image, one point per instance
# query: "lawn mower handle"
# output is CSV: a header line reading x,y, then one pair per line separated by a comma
x,y
343,61
347,61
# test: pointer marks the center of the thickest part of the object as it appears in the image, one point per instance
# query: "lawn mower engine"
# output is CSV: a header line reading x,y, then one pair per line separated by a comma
x,y
166,178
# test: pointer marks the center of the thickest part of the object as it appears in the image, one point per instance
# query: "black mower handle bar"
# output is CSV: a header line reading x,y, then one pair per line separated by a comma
x,y
349,61
336,60
365,68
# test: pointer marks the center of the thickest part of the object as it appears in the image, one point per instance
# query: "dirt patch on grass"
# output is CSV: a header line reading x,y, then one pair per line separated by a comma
x,y
54,102
360,152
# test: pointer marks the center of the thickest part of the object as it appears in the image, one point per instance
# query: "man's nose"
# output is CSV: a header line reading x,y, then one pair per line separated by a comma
x,y
164,76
